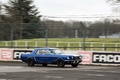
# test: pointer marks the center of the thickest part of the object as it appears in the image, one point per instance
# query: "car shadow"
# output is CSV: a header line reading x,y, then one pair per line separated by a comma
x,y
51,66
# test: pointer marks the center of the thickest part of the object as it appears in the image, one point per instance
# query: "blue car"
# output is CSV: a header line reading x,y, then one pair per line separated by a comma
x,y
46,56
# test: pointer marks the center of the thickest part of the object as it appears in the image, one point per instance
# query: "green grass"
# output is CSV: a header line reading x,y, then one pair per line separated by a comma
x,y
75,39
67,42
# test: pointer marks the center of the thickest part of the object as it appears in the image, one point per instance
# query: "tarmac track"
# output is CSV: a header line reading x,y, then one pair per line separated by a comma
x,y
20,71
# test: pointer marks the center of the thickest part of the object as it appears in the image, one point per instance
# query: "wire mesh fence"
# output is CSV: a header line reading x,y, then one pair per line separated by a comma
x,y
11,32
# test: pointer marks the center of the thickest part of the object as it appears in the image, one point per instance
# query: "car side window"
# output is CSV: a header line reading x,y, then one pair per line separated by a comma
x,y
42,52
38,52
51,51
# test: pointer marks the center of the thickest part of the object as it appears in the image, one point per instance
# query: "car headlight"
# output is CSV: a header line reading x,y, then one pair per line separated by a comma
x,y
80,57
68,57
72,57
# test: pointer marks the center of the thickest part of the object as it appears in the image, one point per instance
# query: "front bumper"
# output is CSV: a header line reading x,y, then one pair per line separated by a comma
x,y
72,61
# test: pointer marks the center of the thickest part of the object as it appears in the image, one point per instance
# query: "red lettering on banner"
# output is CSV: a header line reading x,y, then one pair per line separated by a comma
x,y
6,54
87,57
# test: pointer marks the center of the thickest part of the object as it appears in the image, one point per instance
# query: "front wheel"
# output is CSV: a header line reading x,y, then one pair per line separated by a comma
x,y
60,63
30,62
74,65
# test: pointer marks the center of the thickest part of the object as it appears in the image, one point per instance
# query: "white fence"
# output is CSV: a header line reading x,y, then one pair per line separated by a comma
x,y
91,46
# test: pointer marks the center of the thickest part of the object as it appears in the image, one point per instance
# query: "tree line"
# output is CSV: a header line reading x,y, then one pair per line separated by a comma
x,y
21,19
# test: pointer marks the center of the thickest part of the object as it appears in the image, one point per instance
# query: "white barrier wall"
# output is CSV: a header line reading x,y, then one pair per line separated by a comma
x,y
0,54
88,56
6,54
12,54
106,57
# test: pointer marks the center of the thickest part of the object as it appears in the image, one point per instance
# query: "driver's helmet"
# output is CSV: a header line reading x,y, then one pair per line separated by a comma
x,y
45,51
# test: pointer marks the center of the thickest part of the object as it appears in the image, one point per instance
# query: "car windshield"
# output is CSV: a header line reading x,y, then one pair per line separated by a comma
x,y
56,51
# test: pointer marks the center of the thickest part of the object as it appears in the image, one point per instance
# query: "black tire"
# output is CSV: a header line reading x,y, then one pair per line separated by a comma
x,y
74,65
60,63
44,64
30,62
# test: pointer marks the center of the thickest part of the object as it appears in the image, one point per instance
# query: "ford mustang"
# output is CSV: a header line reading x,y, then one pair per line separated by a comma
x,y
46,56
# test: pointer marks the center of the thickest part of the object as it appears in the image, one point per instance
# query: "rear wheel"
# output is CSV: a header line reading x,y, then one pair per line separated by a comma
x,y
60,63
74,65
30,62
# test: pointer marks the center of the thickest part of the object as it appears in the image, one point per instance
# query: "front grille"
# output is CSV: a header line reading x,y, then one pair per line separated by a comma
x,y
76,58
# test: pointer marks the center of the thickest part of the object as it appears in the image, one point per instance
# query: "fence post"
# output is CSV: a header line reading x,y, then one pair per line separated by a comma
x,y
105,48
91,46
6,43
28,47
26,43
79,45
116,47
84,35
57,44
65,47
16,43
36,43
68,45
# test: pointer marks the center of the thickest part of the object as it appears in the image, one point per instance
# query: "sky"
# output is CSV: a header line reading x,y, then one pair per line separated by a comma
x,y
72,8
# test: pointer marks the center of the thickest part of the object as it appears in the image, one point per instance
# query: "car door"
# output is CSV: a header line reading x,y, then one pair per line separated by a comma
x,y
41,56
48,56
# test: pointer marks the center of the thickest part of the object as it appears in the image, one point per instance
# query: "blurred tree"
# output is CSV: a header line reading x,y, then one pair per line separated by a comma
x,y
25,18
102,28
115,1
115,5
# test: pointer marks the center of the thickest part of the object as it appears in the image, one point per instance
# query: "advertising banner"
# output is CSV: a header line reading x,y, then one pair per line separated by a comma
x,y
105,57
87,57
6,54
17,53
0,54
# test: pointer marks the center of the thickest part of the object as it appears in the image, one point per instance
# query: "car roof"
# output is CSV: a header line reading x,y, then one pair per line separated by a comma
x,y
46,48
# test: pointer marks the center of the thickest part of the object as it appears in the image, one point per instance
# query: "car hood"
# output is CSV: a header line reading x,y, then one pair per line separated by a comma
x,y
70,54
